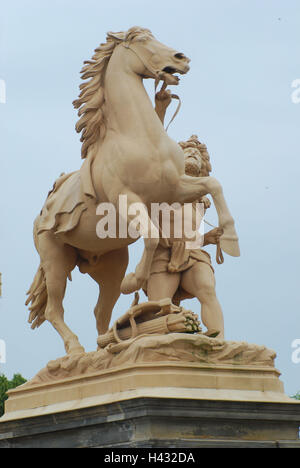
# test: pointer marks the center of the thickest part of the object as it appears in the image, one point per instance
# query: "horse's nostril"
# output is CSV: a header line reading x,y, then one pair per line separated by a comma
x,y
179,56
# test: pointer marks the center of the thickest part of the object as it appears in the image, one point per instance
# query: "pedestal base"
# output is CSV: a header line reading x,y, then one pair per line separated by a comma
x,y
160,423
191,381
163,391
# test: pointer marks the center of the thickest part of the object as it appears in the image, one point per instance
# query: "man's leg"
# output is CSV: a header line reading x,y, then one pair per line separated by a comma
x,y
162,285
199,281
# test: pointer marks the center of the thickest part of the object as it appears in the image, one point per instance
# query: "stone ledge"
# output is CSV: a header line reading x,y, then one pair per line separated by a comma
x,y
169,379
160,422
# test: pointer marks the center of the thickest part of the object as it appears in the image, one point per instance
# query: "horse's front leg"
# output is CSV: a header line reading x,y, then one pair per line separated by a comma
x,y
193,188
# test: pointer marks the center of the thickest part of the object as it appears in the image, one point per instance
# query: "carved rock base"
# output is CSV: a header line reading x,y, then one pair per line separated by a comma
x,y
177,365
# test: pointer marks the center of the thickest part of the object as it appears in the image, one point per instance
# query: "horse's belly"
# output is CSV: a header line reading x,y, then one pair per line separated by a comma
x,y
87,235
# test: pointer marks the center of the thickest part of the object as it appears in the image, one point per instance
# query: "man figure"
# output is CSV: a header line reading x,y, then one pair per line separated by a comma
x,y
180,273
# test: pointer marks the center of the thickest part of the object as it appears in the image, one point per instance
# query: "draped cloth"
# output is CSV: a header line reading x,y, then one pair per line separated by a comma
x,y
67,200
174,257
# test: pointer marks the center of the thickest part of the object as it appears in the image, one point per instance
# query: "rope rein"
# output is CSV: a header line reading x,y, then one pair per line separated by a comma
x,y
219,253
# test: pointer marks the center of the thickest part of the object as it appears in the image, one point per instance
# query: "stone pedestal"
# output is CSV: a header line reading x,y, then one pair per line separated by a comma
x,y
163,391
160,423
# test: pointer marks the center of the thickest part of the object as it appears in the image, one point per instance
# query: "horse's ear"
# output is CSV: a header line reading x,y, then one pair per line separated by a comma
x,y
119,36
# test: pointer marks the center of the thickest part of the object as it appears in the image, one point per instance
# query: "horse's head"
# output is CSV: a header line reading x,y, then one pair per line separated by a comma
x,y
150,58
135,51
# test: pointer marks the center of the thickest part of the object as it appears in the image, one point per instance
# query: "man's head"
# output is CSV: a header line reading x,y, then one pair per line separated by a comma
x,y
197,161
192,161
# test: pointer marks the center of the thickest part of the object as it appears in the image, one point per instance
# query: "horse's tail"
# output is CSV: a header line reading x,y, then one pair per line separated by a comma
x,y
38,298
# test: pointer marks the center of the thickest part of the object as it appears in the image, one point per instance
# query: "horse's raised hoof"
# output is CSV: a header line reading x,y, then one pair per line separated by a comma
x,y
129,284
230,245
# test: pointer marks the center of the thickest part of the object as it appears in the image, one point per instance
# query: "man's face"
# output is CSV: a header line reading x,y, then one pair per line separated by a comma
x,y
193,162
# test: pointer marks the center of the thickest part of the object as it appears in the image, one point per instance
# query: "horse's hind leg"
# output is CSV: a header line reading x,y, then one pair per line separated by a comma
x,y
57,261
145,228
109,274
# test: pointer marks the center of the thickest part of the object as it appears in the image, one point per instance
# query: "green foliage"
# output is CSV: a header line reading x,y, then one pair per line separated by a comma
x,y
297,396
6,385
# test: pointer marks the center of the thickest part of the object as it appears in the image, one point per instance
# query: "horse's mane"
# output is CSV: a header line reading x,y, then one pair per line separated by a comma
x,y
91,99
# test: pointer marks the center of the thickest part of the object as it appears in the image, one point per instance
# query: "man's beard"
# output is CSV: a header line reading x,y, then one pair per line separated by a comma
x,y
192,167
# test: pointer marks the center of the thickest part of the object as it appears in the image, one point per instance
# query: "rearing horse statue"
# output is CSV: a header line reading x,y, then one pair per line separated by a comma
x,y
126,151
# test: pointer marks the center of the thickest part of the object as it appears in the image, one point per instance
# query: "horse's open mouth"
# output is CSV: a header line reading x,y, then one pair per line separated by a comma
x,y
170,70
168,75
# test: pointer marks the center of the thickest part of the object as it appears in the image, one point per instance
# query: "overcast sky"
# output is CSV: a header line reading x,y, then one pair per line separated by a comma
x,y
237,97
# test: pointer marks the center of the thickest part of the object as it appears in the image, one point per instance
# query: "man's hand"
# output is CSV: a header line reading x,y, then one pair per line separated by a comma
x,y
162,100
213,236
206,202
163,97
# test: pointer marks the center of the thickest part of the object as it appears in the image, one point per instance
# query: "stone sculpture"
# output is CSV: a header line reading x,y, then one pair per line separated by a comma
x,y
157,349
126,152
